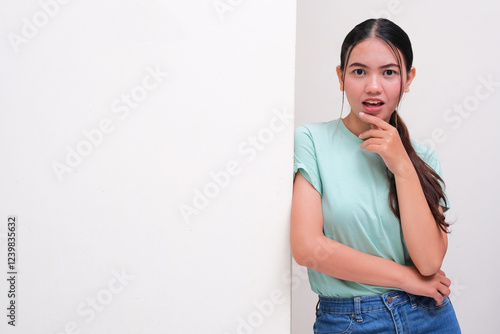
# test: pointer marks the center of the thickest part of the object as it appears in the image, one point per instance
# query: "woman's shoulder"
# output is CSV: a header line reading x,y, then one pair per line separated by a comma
x,y
316,128
425,153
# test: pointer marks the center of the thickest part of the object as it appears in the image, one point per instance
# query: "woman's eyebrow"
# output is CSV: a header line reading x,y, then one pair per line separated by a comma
x,y
390,65
358,65
364,66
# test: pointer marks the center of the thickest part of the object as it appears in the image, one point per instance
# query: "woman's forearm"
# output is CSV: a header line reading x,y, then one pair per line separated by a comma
x,y
425,241
338,260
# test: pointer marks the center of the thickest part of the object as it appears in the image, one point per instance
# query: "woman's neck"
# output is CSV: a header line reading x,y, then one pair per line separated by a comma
x,y
355,125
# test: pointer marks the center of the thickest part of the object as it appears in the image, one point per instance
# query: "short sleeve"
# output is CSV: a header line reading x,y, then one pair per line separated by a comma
x,y
431,158
305,158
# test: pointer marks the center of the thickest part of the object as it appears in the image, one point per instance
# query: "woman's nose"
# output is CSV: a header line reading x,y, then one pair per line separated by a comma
x,y
373,84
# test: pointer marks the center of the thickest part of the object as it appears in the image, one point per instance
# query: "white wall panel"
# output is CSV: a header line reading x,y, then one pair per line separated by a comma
x,y
147,153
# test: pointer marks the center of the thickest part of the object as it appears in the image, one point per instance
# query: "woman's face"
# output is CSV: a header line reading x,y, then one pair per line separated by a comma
x,y
372,79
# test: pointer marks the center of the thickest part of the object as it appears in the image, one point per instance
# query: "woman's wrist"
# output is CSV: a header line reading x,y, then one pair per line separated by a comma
x,y
402,277
405,170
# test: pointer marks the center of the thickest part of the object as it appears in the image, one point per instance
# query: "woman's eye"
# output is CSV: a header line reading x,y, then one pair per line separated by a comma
x,y
390,72
359,71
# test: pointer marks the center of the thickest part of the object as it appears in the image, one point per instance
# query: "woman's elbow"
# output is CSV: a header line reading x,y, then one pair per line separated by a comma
x,y
299,254
302,253
429,268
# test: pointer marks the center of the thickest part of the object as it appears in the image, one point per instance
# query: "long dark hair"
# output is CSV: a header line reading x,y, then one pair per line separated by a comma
x,y
398,41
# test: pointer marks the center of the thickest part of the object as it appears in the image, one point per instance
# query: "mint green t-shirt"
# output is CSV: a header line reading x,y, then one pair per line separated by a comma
x,y
354,191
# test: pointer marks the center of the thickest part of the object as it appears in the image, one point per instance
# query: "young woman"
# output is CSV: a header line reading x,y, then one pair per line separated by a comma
x,y
367,210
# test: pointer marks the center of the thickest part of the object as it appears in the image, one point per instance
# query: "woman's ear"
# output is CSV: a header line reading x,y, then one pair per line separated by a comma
x,y
409,79
339,75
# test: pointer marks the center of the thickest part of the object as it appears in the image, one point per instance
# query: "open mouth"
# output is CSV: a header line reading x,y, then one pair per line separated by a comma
x,y
373,103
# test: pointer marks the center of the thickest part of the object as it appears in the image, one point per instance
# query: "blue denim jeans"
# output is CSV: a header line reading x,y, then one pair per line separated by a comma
x,y
391,312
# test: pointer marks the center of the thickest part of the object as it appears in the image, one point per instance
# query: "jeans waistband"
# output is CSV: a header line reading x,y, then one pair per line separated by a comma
x,y
362,304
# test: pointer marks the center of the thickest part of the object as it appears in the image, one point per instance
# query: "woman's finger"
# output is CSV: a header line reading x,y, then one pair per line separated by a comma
x,y
372,134
446,281
371,142
375,121
444,291
438,298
